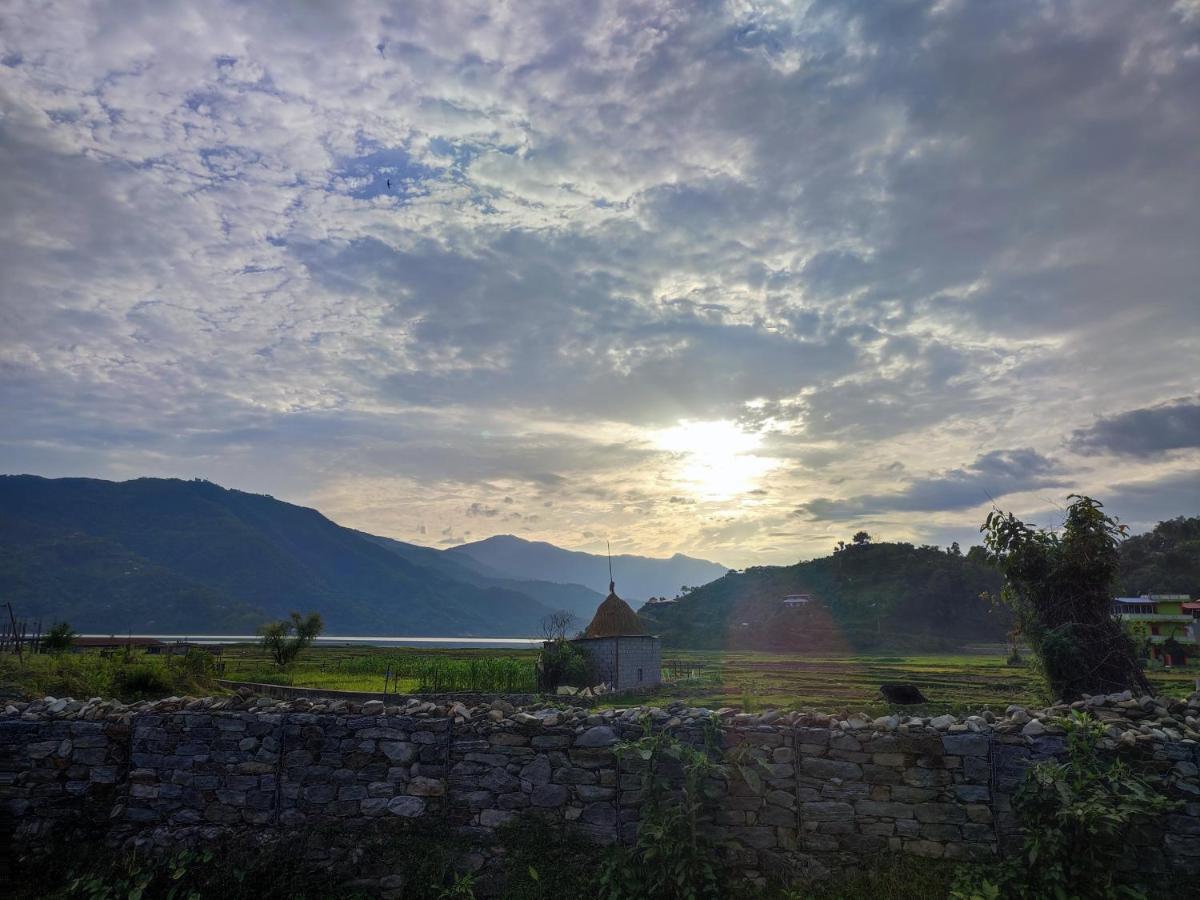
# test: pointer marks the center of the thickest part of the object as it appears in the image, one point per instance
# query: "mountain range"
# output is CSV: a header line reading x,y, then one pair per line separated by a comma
x,y
167,555
638,578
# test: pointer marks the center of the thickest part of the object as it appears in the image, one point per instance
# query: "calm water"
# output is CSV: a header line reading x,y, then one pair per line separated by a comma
x,y
350,640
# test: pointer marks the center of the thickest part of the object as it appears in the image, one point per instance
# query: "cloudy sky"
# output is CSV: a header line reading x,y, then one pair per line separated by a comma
x,y
733,279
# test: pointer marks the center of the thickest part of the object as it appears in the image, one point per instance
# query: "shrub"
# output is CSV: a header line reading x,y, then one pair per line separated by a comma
x,y
547,863
142,680
673,858
59,638
561,662
1074,815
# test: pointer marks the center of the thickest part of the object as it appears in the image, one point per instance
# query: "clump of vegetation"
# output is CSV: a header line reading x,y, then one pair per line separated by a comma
x,y
1060,586
545,862
234,869
867,595
488,674
1165,560
1074,815
286,638
673,857
59,638
560,662
128,674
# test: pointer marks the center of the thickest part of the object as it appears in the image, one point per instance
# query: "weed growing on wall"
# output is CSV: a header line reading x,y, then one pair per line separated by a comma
x,y
673,857
545,862
1075,815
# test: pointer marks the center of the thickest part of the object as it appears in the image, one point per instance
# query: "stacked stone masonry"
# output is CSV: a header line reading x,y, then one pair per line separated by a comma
x,y
833,792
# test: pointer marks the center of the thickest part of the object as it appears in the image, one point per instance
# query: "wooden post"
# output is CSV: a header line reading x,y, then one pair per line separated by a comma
x,y
16,638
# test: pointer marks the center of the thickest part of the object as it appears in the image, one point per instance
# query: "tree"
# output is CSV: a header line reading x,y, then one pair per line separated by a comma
x,y
560,661
59,638
955,550
861,538
556,625
285,639
1060,586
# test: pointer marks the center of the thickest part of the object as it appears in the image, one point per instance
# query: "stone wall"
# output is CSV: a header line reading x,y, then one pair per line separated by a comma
x,y
835,791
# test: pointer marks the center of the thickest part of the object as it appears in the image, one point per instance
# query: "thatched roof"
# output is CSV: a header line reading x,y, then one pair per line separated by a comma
x,y
614,618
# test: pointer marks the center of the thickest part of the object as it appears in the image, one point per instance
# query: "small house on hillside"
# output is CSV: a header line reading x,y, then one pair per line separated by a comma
x,y
793,601
621,653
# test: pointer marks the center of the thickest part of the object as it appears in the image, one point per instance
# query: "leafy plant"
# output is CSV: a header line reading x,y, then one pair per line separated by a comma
x,y
544,862
1074,815
462,888
1060,586
673,857
560,662
751,688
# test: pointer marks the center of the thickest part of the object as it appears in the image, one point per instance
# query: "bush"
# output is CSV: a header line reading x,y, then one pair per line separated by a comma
x,y
59,638
128,675
562,663
673,858
548,863
143,681
1074,815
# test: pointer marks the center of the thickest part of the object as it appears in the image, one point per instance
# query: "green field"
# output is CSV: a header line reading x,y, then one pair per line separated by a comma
x,y
953,683
964,682
412,669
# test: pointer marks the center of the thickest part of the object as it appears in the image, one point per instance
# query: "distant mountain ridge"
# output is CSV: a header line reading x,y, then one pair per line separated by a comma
x,y
170,555
637,577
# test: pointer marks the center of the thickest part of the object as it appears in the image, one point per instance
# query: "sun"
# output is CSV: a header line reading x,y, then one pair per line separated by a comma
x,y
715,460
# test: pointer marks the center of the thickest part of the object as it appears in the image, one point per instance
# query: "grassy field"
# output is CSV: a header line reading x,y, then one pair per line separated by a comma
x,y
965,682
359,668
952,683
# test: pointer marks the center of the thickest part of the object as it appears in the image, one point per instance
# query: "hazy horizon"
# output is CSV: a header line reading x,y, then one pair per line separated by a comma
x,y
733,281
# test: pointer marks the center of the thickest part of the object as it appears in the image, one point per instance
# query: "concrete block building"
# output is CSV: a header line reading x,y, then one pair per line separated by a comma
x,y
621,653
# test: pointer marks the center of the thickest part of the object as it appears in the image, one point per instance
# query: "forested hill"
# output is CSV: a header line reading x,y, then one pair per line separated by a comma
x,y
865,596
167,555
1164,561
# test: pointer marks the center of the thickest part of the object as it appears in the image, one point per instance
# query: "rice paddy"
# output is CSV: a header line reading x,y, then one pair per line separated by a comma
x,y
963,682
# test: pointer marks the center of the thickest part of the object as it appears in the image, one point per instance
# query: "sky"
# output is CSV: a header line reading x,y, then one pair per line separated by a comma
x,y
729,279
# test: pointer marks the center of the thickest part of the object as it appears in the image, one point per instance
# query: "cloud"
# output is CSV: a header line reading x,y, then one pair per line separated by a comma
x,y
1151,431
1143,504
870,235
989,477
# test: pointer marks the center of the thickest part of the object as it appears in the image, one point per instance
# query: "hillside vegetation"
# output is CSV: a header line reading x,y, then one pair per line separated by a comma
x,y
1165,560
865,596
872,595
190,556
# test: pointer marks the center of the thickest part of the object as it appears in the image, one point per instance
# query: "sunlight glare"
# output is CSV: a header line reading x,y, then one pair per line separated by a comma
x,y
716,460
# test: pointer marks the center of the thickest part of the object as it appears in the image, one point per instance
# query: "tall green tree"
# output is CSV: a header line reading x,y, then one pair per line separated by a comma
x,y
286,638
1060,584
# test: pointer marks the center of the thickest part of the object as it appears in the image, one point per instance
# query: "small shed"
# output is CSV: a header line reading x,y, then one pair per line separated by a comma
x,y
621,653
